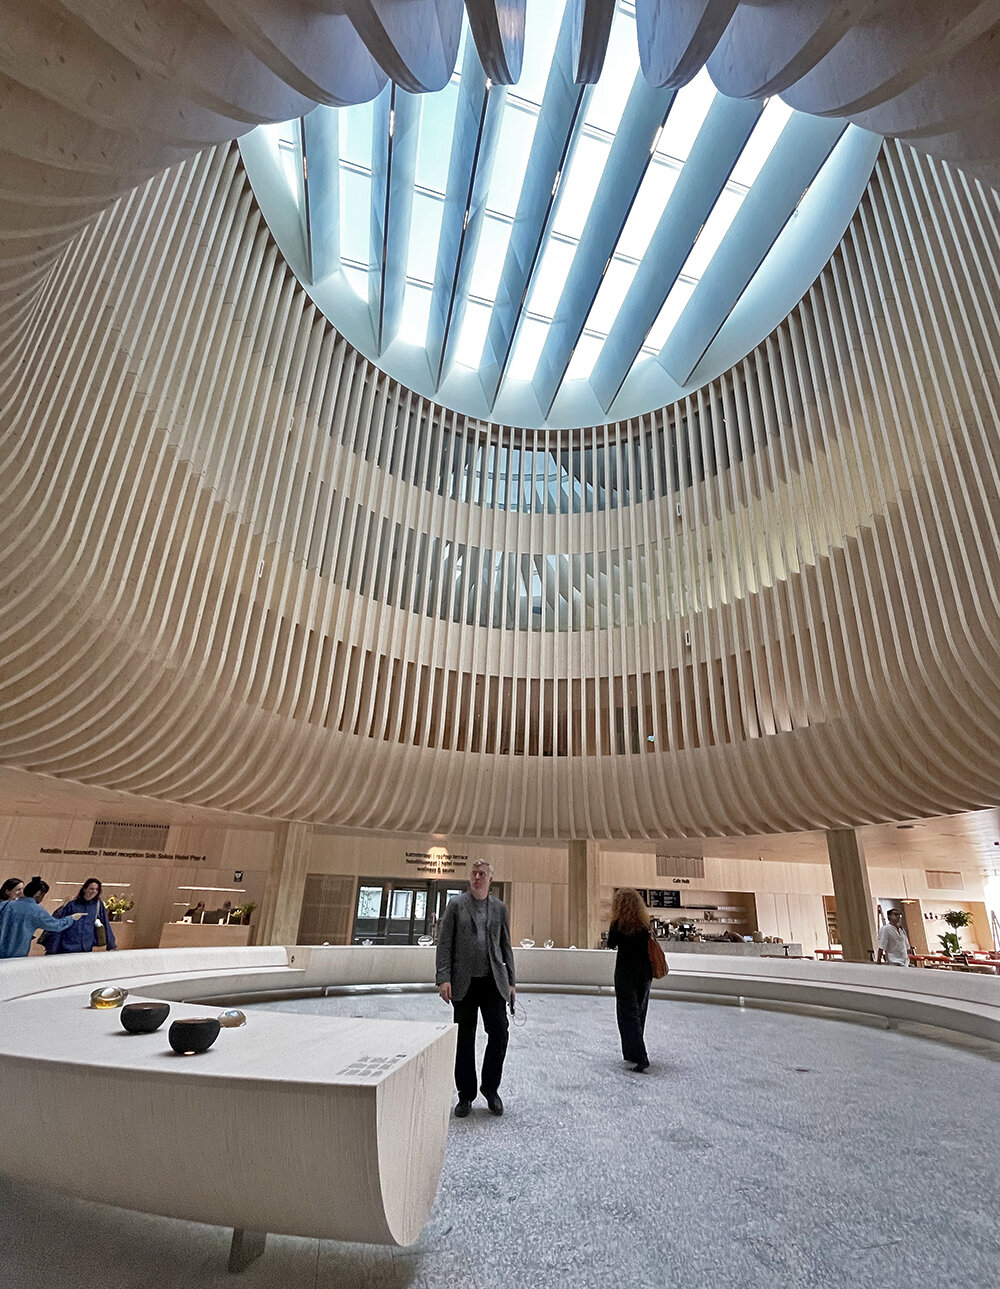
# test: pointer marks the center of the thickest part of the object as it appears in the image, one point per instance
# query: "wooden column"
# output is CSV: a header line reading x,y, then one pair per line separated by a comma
x,y
855,911
282,904
584,895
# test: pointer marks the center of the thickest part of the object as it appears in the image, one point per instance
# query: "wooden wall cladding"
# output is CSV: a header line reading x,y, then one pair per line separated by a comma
x,y
212,595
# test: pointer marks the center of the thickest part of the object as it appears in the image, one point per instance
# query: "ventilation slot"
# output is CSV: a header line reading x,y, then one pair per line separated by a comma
x,y
112,834
680,866
937,880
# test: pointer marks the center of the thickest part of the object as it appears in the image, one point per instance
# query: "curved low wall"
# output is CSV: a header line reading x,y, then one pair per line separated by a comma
x,y
313,1125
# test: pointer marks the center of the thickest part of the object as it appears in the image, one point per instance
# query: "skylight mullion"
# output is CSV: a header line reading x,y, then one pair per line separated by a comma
x,y
395,134
321,168
478,115
561,115
716,149
628,159
800,152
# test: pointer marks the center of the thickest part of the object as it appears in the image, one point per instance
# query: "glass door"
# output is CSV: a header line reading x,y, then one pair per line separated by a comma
x,y
391,913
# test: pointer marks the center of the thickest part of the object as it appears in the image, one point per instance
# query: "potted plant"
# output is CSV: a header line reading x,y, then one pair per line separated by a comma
x,y
956,919
241,913
117,906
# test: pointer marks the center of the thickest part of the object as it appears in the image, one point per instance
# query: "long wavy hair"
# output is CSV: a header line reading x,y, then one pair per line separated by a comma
x,y
629,912
91,881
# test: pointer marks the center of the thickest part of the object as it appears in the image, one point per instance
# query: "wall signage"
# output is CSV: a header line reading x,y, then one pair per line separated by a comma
x,y
118,854
436,863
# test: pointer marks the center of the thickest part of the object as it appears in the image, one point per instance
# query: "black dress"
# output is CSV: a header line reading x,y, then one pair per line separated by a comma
x,y
633,973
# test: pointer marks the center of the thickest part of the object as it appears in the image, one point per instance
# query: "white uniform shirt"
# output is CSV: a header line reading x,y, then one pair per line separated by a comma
x,y
895,943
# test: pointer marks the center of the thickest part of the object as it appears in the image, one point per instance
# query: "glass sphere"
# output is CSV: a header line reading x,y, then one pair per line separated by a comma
x,y
550,944
425,940
527,944
232,1019
108,996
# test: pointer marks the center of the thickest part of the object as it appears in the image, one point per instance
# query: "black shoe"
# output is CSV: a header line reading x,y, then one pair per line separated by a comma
x,y
494,1104
640,1067
462,1109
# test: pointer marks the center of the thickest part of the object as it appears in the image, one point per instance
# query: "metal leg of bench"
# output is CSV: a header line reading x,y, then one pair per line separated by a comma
x,y
247,1246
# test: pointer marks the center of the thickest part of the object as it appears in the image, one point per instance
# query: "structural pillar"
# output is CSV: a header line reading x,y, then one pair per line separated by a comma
x,y
855,911
584,895
281,909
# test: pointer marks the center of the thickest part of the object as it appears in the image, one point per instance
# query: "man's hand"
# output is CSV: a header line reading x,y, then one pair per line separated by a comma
x,y
445,991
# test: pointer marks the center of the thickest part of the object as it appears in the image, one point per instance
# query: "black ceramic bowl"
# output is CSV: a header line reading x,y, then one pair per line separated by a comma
x,y
194,1034
143,1018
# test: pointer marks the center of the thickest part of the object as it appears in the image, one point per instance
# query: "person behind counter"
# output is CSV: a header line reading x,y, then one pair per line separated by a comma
x,y
84,934
195,913
629,934
20,919
12,889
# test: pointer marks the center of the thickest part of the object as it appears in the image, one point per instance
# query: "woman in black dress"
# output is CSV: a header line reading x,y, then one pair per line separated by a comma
x,y
629,934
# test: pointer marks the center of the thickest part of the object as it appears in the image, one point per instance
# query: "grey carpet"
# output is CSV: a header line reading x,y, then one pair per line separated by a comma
x,y
762,1148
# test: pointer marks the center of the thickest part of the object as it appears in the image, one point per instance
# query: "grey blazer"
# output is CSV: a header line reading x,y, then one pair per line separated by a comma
x,y
457,945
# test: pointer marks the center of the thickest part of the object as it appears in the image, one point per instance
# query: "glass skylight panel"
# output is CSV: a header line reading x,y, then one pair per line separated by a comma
x,y
425,231
610,94
356,134
550,276
541,27
416,311
673,307
650,201
437,126
358,279
686,117
617,280
486,253
579,184
714,230
758,147
355,217
510,161
493,238
527,347
587,352
472,337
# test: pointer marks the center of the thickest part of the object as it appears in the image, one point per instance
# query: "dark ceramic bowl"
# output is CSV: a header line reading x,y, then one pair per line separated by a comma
x,y
194,1034
143,1018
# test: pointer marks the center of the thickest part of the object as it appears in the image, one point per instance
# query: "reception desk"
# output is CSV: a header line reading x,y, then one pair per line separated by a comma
x,y
201,935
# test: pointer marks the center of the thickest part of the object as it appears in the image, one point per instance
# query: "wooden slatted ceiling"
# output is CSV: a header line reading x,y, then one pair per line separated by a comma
x,y
243,569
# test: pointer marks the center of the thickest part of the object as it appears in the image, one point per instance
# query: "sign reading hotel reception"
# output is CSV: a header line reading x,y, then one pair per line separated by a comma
x,y
436,862
117,854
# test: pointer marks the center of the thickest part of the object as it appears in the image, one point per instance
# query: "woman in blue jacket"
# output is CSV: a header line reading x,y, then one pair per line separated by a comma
x,y
20,919
82,934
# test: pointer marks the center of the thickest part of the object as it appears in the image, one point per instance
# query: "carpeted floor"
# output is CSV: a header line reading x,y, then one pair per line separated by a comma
x,y
762,1148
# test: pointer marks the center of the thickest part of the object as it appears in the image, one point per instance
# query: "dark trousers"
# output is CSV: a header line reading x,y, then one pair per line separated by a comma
x,y
483,996
631,1001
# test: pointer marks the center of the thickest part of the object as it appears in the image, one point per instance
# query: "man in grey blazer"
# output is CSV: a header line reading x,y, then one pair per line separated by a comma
x,y
475,973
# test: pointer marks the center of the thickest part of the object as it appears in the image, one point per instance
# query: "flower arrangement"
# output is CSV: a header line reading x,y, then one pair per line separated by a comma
x,y
118,905
242,913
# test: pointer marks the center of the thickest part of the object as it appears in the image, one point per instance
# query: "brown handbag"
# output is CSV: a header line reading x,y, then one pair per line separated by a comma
x,y
657,960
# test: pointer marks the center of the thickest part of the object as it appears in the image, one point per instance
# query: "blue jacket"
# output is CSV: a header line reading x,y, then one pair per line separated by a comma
x,y
80,937
19,920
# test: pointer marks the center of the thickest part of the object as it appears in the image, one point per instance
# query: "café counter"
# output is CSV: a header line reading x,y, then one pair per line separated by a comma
x,y
192,935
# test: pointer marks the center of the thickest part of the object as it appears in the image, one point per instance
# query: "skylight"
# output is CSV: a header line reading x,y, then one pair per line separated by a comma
x,y
538,245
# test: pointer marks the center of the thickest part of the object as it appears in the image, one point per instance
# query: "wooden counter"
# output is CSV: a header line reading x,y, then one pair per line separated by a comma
x,y
200,935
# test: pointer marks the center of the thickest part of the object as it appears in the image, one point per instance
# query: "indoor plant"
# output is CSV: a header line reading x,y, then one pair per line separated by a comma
x,y
956,919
